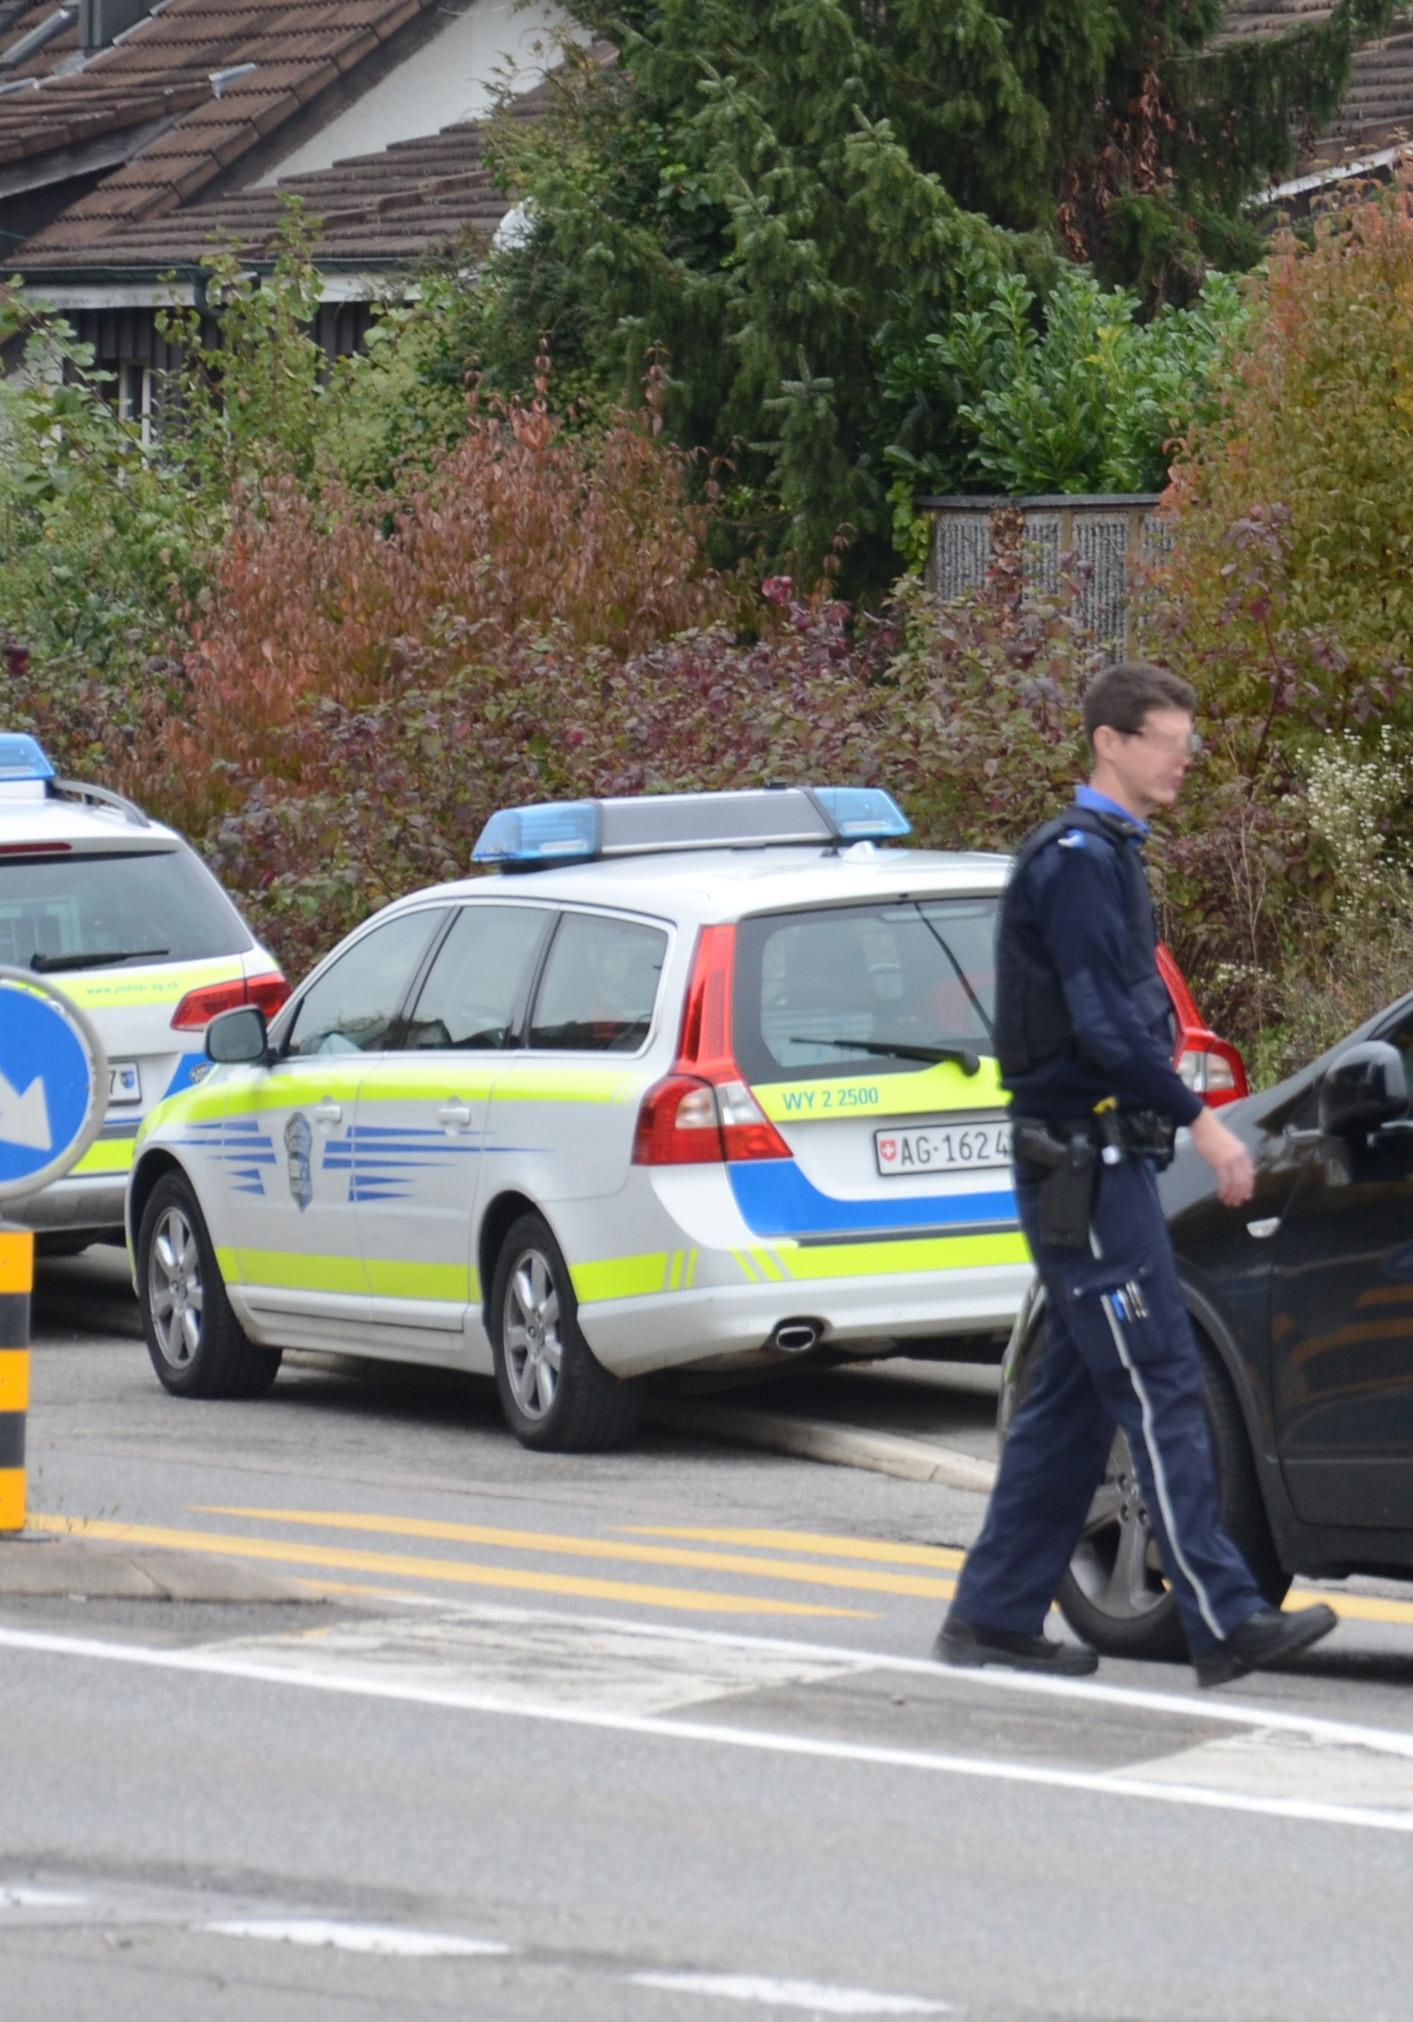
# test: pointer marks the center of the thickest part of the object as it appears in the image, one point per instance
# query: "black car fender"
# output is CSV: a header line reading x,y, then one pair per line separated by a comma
x,y
1221,1343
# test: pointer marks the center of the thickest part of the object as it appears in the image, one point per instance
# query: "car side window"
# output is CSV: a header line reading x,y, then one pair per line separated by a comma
x,y
351,1007
478,977
599,986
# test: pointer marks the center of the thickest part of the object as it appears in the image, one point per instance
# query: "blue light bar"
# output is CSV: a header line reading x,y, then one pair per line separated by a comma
x,y
556,832
647,824
22,758
862,813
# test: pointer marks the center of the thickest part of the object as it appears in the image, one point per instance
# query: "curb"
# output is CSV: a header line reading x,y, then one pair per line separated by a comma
x,y
34,1566
836,1445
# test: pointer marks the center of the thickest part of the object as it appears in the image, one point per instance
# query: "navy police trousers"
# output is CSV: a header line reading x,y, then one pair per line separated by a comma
x,y
1120,1352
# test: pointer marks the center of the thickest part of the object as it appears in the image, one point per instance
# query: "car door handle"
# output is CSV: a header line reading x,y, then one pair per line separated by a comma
x,y
455,1116
1260,1230
329,1112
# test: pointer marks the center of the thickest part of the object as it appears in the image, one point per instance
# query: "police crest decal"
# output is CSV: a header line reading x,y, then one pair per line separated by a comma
x,y
299,1143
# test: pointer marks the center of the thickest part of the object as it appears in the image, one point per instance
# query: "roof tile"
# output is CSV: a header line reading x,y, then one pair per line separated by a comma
x,y
298,47
387,209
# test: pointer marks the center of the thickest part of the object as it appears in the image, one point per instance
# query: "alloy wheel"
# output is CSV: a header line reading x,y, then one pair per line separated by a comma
x,y
530,1334
175,1294
1117,1564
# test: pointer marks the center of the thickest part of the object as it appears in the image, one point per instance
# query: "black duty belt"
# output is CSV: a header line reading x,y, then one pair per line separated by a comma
x,y
1141,1132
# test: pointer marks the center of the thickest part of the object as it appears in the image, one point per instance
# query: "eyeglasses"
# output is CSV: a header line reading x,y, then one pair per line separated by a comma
x,y
1163,740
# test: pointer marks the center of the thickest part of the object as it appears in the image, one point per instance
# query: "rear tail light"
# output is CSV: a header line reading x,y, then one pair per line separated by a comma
x,y
703,1113
1213,1069
684,1121
267,992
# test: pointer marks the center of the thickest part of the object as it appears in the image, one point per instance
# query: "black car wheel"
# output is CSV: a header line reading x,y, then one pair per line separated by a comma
x,y
197,1345
555,1395
1114,1595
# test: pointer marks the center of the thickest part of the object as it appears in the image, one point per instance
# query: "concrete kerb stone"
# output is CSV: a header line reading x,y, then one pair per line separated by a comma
x,y
837,1445
63,1568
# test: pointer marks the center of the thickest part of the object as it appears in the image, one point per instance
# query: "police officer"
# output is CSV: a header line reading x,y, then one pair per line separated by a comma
x,y
1084,1038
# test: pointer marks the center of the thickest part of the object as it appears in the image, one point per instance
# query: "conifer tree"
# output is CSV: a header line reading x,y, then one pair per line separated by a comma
x,y
780,192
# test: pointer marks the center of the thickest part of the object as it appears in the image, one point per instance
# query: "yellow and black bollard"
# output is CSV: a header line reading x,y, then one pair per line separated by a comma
x,y
16,1282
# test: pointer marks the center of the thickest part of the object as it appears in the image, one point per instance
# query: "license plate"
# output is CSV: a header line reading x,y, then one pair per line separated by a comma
x,y
124,1084
963,1145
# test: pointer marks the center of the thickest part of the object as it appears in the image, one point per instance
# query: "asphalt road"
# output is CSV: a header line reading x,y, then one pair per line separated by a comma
x,y
459,1729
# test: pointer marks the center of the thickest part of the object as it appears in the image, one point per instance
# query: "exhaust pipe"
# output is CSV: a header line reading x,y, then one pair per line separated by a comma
x,y
796,1337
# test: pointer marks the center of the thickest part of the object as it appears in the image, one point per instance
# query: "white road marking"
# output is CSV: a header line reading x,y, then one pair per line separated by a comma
x,y
383,1940
1221,1709
19,1897
820,2000
548,1660
214,1662
1280,1765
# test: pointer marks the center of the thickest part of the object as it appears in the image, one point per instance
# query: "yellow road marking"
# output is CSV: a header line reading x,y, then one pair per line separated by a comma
x,y
598,1548
365,1590
810,1541
1357,1607
1350,1607
226,1546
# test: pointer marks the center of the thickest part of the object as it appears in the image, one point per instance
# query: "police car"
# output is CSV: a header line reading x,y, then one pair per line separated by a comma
x,y
125,918
696,1081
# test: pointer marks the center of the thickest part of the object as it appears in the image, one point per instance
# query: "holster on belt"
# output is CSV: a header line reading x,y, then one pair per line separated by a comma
x,y
1066,1196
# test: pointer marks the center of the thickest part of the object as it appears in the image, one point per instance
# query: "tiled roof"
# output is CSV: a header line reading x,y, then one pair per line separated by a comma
x,y
1378,107
163,82
388,209
171,63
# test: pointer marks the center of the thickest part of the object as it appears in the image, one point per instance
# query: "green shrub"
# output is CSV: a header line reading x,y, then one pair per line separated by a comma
x,y
1072,394
100,550
1288,593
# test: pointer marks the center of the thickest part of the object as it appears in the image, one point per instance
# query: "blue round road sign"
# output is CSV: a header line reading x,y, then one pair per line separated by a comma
x,y
53,1083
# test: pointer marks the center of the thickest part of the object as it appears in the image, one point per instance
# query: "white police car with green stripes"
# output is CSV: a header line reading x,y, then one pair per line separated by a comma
x,y
121,914
692,1082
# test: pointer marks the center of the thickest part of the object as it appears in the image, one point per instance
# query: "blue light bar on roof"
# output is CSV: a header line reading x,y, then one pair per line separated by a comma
x,y
650,823
558,832
22,758
862,813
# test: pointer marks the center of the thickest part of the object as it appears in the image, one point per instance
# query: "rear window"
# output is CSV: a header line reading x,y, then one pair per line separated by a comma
x,y
835,992
77,911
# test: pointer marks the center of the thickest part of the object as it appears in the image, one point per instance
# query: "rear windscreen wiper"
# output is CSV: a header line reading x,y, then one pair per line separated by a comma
x,y
98,958
960,1056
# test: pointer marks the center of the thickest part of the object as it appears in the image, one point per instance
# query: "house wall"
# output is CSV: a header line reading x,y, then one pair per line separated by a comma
x,y
451,78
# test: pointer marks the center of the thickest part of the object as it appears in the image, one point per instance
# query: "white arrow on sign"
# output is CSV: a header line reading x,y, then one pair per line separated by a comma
x,y
24,1119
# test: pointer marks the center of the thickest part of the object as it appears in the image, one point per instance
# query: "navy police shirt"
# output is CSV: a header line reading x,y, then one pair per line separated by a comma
x,y
1072,912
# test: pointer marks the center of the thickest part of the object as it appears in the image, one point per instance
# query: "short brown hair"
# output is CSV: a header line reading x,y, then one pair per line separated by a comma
x,y
1122,696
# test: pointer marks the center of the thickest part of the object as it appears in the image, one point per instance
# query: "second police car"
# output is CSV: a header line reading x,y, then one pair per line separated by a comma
x,y
123,916
699,1080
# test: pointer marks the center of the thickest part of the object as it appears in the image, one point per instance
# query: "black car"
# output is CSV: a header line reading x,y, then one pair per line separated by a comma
x,y
1303,1306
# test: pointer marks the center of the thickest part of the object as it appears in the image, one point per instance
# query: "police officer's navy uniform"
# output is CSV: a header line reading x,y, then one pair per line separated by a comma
x,y
1083,1016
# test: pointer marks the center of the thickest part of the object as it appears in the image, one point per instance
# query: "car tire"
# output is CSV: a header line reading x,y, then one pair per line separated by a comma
x,y
556,1396
197,1345
1114,1595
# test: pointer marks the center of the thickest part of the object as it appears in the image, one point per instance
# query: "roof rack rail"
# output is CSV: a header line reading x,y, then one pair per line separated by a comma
x,y
99,796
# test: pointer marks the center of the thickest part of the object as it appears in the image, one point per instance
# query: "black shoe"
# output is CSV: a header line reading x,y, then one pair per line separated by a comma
x,y
967,1649
1267,1637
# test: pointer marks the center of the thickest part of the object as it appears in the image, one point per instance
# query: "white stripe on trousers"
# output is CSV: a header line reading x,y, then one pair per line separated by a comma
x,y
1155,1460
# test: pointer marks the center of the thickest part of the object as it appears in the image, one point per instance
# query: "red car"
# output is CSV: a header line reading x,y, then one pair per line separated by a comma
x,y
1211,1067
